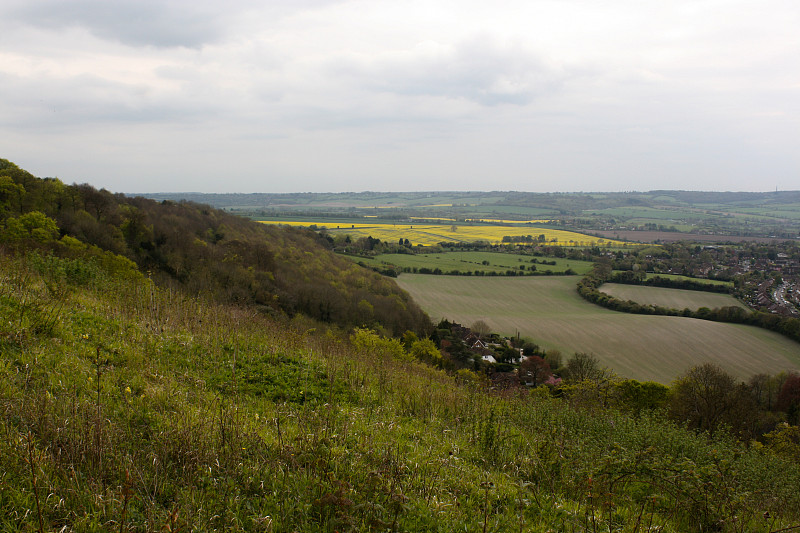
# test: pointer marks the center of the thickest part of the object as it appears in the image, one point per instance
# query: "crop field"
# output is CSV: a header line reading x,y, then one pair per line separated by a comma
x,y
648,213
549,310
696,280
432,234
639,236
478,261
670,298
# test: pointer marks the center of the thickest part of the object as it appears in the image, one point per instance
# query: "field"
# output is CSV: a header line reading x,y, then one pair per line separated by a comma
x,y
670,298
474,261
707,281
432,234
549,310
672,236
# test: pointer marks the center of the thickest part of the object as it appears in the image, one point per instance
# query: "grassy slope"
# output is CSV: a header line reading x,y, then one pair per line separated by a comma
x,y
205,417
637,346
472,261
670,298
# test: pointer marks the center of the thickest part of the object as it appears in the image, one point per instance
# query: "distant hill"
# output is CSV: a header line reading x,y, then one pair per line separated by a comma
x,y
205,251
673,214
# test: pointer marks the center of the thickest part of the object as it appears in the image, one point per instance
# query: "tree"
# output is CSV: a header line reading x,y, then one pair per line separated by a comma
x,y
426,351
34,225
639,396
706,397
534,371
584,366
554,359
789,398
480,328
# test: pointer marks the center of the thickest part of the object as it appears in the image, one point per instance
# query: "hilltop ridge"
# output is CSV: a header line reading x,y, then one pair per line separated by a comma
x,y
206,251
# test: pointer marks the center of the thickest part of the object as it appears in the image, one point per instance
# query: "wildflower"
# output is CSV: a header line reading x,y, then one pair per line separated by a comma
x,y
127,390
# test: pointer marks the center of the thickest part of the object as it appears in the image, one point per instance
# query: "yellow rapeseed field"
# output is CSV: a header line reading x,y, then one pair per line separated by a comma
x,y
432,234
501,221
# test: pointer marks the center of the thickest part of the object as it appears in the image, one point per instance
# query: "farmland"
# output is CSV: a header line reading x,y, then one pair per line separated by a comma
x,y
696,280
662,215
549,310
670,298
433,234
486,262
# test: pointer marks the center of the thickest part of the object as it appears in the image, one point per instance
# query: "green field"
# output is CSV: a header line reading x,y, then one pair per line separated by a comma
x,y
670,298
687,278
474,261
549,310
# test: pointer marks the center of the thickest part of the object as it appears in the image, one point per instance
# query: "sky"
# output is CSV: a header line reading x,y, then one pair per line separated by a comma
x,y
338,96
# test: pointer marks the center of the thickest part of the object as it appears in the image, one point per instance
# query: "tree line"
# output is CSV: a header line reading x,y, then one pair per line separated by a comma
x,y
203,251
589,288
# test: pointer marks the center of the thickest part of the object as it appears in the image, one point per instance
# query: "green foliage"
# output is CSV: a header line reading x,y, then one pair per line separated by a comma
x,y
144,410
32,226
201,250
784,440
383,347
425,350
639,396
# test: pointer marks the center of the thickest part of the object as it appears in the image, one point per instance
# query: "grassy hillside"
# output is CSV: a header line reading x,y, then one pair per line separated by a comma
x,y
670,298
130,408
643,347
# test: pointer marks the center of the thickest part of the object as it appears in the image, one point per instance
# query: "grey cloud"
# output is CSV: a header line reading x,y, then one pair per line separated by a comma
x,y
136,23
480,71
158,23
66,104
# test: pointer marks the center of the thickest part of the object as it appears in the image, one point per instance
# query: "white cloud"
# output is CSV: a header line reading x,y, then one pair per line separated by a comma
x,y
552,94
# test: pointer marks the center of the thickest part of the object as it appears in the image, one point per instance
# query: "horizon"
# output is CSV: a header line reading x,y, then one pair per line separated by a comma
x,y
468,192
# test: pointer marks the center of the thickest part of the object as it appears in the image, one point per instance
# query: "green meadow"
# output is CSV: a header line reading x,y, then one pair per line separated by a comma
x,y
549,310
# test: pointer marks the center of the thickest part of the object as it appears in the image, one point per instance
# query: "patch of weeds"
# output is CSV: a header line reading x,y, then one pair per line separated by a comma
x,y
279,378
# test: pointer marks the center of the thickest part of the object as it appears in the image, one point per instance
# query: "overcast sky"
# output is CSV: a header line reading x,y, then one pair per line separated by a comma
x,y
328,95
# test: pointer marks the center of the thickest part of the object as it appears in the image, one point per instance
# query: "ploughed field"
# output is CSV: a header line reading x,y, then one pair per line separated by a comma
x,y
670,298
644,347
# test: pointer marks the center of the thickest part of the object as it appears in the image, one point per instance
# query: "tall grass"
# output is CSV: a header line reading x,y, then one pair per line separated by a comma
x,y
126,407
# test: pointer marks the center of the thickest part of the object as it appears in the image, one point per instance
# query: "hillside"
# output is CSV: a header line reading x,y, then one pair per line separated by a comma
x,y
126,407
201,250
168,367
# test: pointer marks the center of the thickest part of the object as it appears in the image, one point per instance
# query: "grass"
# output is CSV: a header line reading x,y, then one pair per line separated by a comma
x,y
549,310
126,407
474,261
670,298
696,280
